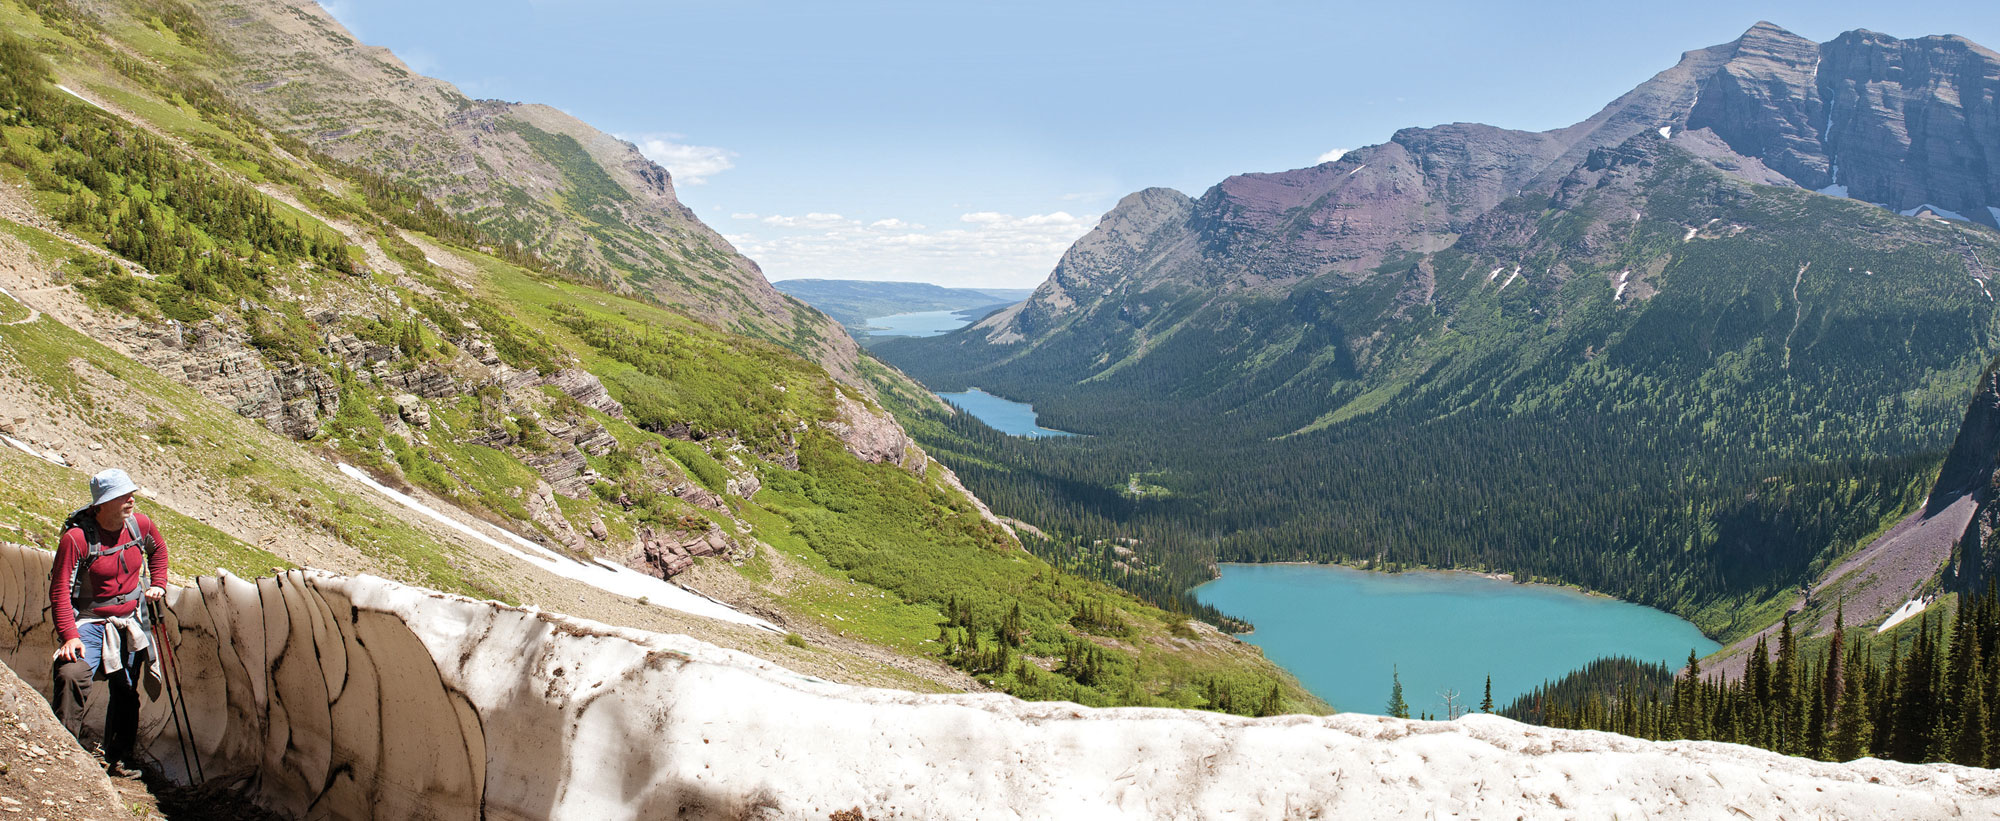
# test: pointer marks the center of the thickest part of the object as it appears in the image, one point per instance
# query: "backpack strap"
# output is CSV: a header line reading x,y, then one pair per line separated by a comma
x,y
94,550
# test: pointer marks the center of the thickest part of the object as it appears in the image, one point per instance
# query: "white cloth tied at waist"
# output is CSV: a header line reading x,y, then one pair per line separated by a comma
x,y
119,632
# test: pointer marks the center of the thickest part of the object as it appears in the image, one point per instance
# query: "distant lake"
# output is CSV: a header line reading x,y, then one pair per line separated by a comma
x,y
1339,630
921,323
1014,418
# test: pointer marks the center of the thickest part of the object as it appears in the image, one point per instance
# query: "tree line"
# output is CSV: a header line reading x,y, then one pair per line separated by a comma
x,y
1921,694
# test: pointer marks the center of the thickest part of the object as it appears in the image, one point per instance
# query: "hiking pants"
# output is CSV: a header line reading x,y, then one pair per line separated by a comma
x,y
72,697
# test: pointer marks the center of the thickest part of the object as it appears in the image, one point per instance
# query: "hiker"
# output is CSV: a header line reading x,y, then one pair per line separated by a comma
x,y
110,557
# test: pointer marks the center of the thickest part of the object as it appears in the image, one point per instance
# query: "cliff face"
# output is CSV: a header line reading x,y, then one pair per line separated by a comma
x,y
1902,123
359,698
1969,475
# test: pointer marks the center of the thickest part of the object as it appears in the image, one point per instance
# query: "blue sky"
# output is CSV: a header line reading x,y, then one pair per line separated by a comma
x,y
969,143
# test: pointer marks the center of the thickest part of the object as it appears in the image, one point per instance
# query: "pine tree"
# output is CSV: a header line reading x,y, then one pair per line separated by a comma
x,y
1686,691
1968,744
1851,728
1884,717
1785,692
1816,712
1759,674
1397,706
1835,657
1486,704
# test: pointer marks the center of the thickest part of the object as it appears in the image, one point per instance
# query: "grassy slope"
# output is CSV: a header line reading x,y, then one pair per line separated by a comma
x,y
836,519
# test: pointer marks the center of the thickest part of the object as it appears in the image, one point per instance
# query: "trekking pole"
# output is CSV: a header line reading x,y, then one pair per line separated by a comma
x,y
177,701
180,700
173,714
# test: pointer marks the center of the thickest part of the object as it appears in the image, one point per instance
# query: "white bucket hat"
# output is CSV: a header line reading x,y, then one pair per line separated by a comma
x,y
110,484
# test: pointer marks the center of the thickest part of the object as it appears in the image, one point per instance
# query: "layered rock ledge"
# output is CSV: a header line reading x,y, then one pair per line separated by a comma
x,y
333,697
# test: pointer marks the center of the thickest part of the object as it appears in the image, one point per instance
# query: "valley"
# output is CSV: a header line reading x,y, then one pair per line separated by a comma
x,y
499,483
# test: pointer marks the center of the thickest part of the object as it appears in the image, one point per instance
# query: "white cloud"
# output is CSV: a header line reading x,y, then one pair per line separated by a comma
x,y
1331,156
986,248
741,215
812,220
690,164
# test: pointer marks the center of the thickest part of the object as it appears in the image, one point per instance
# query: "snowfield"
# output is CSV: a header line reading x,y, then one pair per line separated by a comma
x,y
336,697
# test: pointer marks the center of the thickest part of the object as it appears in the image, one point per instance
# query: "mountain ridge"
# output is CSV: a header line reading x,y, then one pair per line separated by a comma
x,y
1487,287
500,165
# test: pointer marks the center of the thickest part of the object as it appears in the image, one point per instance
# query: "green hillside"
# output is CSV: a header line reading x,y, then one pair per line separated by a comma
x,y
229,311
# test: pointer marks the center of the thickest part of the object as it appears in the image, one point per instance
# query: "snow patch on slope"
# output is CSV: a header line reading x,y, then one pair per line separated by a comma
x,y
1954,215
72,93
1908,611
603,575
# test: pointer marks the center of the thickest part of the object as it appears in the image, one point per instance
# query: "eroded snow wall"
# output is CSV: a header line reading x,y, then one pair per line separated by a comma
x,y
334,697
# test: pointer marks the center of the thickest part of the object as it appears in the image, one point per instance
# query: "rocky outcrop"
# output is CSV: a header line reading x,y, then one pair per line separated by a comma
x,y
339,698
874,436
666,553
547,515
289,398
584,387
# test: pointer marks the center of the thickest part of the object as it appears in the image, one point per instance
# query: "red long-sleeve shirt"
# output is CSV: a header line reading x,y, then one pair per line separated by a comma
x,y
103,578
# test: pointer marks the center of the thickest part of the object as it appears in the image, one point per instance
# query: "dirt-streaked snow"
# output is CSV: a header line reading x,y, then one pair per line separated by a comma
x,y
336,697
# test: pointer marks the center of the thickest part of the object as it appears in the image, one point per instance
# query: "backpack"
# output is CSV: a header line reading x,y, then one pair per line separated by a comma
x,y
87,522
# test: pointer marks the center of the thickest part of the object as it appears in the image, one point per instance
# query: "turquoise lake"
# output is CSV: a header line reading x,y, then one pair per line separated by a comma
x,y
1339,630
920,323
1015,418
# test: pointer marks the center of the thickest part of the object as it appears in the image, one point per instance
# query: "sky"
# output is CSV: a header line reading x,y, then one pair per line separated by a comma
x,y
968,144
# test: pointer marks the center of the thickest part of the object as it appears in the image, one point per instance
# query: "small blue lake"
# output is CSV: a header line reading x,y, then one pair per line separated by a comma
x,y
1014,418
920,323
1339,630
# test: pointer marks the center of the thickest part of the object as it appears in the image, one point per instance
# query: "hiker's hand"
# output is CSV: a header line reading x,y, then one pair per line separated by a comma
x,y
155,593
71,650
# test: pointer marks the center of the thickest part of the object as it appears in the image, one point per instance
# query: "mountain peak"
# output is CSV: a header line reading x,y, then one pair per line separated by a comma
x,y
1767,30
1767,39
